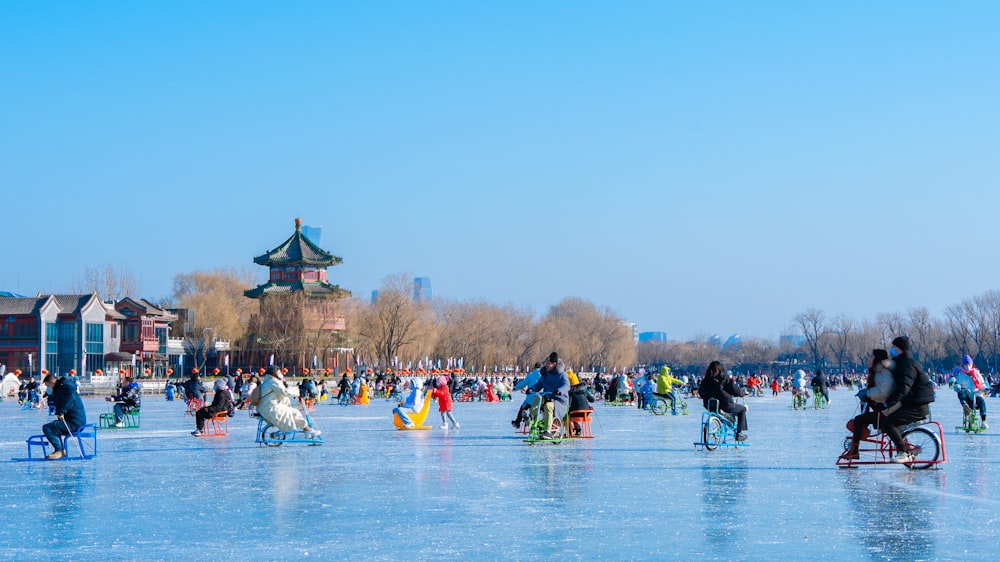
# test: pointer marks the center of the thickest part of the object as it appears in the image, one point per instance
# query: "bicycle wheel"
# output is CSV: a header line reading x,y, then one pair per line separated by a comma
x,y
658,406
924,447
711,433
272,436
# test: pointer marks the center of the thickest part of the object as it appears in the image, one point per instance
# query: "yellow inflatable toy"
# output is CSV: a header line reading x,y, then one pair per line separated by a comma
x,y
417,418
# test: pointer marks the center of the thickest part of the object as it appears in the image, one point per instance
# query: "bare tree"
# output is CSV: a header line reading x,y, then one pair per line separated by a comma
x,y
109,284
812,322
839,338
394,324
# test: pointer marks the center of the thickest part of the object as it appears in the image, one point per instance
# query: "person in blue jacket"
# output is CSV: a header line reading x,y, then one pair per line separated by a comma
x,y
525,384
554,388
128,400
70,413
413,403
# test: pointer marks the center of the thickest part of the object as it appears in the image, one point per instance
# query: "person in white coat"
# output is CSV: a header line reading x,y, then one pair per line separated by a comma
x,y
880,386
276,404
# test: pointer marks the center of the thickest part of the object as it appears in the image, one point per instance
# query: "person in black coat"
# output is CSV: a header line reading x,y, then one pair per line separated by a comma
x,y
821,386
194,388
221,402
909,399
69,410
716,384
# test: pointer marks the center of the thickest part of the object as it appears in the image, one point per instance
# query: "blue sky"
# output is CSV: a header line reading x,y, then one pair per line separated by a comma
x,y
697,167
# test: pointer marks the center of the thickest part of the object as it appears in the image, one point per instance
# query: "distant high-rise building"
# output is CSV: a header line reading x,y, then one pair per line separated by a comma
x,y
633,330
422,289
733,342
653,336
313,233
374,296
792,340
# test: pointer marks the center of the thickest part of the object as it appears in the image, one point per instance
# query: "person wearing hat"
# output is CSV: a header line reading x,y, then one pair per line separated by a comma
x,y
442,393
276,404
554,398
221,402
910,397
971,394
194,388
580,398
878,388
128,400
821,386
665,387
69,411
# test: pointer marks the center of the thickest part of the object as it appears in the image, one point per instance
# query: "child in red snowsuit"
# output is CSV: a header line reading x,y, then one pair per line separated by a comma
x,y
443,396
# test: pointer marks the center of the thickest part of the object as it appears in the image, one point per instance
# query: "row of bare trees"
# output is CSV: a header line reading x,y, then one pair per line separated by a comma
x,y
842,343
395,329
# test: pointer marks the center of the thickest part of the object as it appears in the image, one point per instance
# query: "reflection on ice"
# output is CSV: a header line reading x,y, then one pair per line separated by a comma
x,y
638,490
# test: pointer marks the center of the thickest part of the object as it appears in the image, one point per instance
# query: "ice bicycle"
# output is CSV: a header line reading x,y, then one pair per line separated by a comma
x,y
576,424
718,429
924,439
270,436
971,421
660,404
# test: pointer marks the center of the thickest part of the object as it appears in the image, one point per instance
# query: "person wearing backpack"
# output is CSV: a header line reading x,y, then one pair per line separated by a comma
x,y
910,398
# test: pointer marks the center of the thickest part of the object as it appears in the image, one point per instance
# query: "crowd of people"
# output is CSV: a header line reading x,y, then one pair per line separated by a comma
x,y
895,391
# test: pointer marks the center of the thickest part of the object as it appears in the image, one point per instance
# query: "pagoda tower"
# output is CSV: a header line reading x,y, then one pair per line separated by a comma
x,y
298,304
298,265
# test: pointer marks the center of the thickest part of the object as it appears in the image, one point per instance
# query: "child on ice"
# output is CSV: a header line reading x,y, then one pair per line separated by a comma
x,y
443,396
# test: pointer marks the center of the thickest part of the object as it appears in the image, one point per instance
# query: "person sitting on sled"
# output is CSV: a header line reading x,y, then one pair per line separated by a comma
x,y
128,400
413,403
276,405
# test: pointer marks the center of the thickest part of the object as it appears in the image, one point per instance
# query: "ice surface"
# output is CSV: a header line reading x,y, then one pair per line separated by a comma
x,y
639,490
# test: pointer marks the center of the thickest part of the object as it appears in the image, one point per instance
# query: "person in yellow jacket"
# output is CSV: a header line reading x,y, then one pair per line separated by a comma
x,y
665,387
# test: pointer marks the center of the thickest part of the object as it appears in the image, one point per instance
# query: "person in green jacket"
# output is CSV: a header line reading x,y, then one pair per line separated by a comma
x,y
665,387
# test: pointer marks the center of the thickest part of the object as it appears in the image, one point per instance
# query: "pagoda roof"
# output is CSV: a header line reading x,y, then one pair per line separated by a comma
x,y
298,250
310,288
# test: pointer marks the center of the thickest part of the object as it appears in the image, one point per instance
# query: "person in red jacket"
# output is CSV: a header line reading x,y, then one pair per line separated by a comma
x,y
443,396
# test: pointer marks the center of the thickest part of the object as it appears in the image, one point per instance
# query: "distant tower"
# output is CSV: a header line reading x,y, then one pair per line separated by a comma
x,y
422,289
313,233
374,296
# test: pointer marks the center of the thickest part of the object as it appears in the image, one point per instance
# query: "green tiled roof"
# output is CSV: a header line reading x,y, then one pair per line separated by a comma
x,y
297,251
321,288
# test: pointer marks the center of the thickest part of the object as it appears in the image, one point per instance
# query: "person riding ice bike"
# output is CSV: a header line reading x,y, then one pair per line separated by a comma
x,y
665,387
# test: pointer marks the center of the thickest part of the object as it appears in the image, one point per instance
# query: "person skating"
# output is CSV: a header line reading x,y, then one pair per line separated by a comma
x,y
443,395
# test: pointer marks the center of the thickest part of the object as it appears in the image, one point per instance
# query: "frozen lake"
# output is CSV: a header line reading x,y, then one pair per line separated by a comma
x,y
639,490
